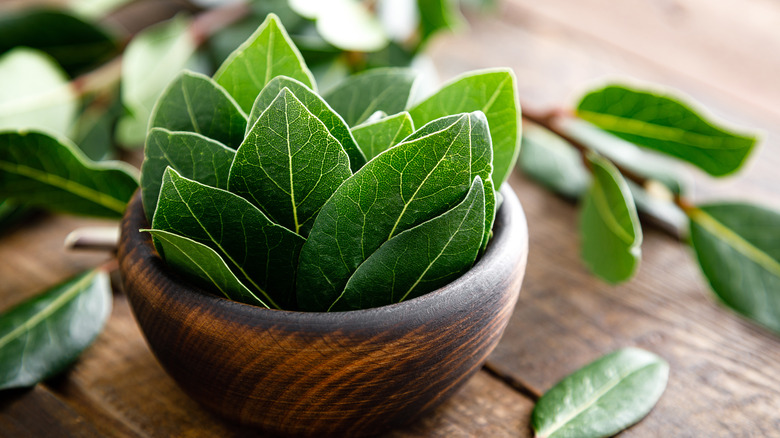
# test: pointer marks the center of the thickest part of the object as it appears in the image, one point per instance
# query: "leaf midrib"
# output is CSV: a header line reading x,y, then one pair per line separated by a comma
x,y
602,207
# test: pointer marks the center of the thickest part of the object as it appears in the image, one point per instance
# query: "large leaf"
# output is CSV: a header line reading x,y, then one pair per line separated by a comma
x,y
37,169
268,53
609,225
664,123
381,89
192,155
738,247
36,93
263,255
421,259
318,107
409,184
289,164
378,136
202,265
195,103
602,398
43,335
72,42
494,92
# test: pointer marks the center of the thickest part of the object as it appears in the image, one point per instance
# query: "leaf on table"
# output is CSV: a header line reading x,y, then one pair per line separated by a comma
x,y
289,164
375,137
36,94
40,170
42,336
346,24
268,53
436,15
552,162
738,248
262,254
202,265
191,155
195,103
420,259
609,226
602,398
405,186
151,61
494,92
317,107
666,124
381,89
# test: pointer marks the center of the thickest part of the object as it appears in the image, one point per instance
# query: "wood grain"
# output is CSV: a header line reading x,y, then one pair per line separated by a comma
x,y
36,412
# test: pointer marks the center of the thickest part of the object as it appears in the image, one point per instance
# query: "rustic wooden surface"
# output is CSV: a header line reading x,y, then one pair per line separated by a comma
x,y
725,372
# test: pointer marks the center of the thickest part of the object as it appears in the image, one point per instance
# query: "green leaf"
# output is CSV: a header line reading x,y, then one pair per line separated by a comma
x,y
494,92
407,185
316,106
195,103
381,89
202,265
268,53
191,155
11,214
73,43
43,335
554,163
364,32
609,225
93,131
37,169
420,259
289,164
738,247
152,60
664,123
436,15
36,94
263,254
378,136
602,398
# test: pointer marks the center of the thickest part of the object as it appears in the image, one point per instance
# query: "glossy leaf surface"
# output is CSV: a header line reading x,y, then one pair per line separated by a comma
x,y
553,162
378,136
381,89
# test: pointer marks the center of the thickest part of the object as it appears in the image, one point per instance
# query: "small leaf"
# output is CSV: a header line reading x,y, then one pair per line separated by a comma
x,y
318,107
420,259
36,169
289,164
738,248
263,255
494,92
202,265
609,225
42,336
191,155
602,398
268,53
551,161
437,15
381,89
36,94
664,123
378,136
195,103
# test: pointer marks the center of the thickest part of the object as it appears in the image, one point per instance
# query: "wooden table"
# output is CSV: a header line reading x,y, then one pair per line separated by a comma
x,y
725,371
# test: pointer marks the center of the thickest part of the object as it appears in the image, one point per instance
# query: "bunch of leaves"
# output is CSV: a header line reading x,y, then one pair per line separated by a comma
x,y
612,164
262,190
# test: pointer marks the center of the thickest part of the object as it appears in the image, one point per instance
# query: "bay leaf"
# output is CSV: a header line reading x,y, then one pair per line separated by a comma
x,y
420,259
377,136
436,15
40,170
494,92
664,123
289,164
552,162
202,265
42,336
609,225
379,89
262,254
316,106
364,32
602,398
195,103
738,248
191,155
267,53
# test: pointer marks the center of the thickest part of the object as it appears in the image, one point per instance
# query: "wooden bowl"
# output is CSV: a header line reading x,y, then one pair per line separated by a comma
x,y
352,373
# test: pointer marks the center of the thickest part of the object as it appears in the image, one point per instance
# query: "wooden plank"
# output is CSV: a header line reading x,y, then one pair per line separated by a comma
x,y
37,413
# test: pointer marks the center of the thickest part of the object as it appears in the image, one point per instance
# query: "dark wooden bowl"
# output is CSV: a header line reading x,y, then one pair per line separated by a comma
x,y
350,373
